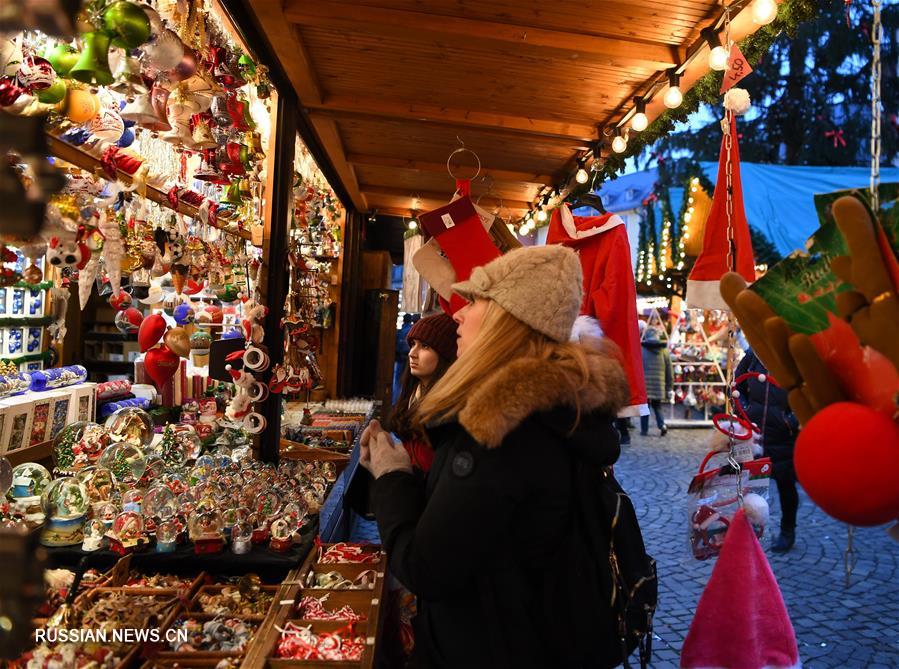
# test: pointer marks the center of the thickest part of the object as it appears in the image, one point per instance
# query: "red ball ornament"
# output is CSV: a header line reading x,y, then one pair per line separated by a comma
x,y
151,330
847,459
161,364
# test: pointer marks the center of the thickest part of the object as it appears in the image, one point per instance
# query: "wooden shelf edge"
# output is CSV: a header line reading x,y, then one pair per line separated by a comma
x,y
34,453
294,450
84,160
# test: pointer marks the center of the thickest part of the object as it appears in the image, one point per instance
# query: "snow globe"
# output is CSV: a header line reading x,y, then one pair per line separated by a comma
x,y
241,535
159,503
131,425
205,529
126,461
260,523
132,500
166,536
106,513
79,445
282,535
99,482
29,480
94,533
155,468
127,533
268,504
65,504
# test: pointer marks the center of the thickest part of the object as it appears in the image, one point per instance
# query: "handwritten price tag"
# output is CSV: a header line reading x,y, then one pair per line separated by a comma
x,y
737,69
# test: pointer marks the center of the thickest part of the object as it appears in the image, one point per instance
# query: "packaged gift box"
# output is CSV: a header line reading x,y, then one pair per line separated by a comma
x,y
83,401
18,412
45,420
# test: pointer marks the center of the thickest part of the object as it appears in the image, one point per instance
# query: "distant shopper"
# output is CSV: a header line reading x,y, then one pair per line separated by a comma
x,y
432,349
657,372
402,354
766,405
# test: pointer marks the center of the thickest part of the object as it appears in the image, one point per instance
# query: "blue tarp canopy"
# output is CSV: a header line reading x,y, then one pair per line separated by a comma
x,y
778,198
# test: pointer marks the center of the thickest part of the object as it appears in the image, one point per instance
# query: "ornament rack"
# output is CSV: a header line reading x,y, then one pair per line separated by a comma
x,y
693,356
86,161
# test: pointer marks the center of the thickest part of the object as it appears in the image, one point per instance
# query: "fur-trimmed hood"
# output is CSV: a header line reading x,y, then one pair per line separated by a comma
x,y
531,385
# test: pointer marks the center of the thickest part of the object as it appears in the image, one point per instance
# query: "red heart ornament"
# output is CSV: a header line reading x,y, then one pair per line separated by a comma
x,y
151,330
134,316
161,364
121,301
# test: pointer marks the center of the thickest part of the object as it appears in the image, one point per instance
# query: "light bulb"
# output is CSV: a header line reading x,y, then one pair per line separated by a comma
x,y
524,230
413,224
764,12
639,122
673,97
581,177
619,144
718,58
541,215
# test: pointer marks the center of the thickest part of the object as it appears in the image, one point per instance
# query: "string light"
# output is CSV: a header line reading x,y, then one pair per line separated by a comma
x,y
764,12
673,96
718,55
619,143
413,224
639,122
581,177
523,230
542,216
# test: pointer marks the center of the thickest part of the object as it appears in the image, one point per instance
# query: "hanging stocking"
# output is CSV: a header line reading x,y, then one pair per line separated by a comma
x,y
459,231
717,256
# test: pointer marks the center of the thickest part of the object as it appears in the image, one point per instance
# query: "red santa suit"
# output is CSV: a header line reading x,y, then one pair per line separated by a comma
x,y
610,294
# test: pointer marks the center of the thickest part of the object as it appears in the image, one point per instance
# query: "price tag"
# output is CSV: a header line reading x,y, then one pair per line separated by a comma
x,y
737,69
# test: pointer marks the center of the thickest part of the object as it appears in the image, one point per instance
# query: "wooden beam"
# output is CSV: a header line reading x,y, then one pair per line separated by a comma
x,y
497,175
405,24
413,111
432,196
329,136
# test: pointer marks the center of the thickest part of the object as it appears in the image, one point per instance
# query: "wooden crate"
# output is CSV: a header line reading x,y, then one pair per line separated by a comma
x,y
195,605
205,654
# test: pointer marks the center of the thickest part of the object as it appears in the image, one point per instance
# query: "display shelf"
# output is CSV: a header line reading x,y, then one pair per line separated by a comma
x,y
34,453
294,450
109,366
81,158
111,336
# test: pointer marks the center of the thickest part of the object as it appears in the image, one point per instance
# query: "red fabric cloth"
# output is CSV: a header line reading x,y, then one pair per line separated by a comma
x,y
711,265
610,294
741,621
421,454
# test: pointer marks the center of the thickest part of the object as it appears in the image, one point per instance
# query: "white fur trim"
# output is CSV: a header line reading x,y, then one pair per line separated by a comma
x,y
634,410
705,295
568,223
586,326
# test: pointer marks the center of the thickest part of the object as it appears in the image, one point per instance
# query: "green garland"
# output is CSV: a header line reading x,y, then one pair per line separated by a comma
x,y
44,285
33,357
790,15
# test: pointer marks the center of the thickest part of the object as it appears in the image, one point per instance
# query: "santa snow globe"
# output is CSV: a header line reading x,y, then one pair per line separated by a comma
x,y
94,533
282,535
127,533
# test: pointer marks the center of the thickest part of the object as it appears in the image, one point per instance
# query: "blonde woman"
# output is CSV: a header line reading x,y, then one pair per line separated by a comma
x,y
480,542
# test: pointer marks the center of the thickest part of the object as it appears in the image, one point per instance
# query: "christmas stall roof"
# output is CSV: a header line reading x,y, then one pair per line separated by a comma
x,y
391,87
779,199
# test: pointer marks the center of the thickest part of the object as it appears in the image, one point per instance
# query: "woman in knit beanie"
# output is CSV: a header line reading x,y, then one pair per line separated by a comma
x,y
432,349
483,541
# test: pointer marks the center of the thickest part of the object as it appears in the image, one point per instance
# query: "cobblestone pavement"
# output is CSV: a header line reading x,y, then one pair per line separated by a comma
x,y
855,627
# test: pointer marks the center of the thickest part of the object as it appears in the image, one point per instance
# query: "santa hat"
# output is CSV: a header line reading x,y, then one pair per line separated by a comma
x,y
741,621
702,284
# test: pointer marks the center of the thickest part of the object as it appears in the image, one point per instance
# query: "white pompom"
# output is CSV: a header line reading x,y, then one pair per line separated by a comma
x,y
756,508
762,378
737,100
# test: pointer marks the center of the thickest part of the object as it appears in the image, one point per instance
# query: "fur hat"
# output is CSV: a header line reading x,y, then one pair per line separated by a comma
x,y
542,286
438,332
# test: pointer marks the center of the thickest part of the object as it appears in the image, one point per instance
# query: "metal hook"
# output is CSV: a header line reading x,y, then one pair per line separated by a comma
x,y
462,149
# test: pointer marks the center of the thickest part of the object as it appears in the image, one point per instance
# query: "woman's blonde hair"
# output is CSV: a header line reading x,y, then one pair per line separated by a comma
x,y
501,340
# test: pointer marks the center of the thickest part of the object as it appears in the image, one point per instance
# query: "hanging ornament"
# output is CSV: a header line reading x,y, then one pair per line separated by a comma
x,y
129,320
161,364
35,74
128,22
86,278
151,331
178,341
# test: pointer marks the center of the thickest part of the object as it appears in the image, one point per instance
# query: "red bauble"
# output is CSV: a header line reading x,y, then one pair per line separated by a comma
x,y
151,330
9,91
161,364
847,459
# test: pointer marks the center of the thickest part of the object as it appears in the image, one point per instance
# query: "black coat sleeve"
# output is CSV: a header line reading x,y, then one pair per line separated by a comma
x,y
434,548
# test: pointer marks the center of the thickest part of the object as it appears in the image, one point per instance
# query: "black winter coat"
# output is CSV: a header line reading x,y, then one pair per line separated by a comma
x,y
780,425
477,541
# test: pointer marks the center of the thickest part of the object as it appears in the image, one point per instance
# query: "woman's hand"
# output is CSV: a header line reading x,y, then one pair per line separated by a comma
x,y
379,454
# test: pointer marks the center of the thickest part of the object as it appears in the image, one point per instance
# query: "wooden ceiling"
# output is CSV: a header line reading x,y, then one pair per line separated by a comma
x,y
392,86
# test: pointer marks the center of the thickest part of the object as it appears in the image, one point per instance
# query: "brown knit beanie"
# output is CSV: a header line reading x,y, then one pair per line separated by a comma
x,y
438,332
542,286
